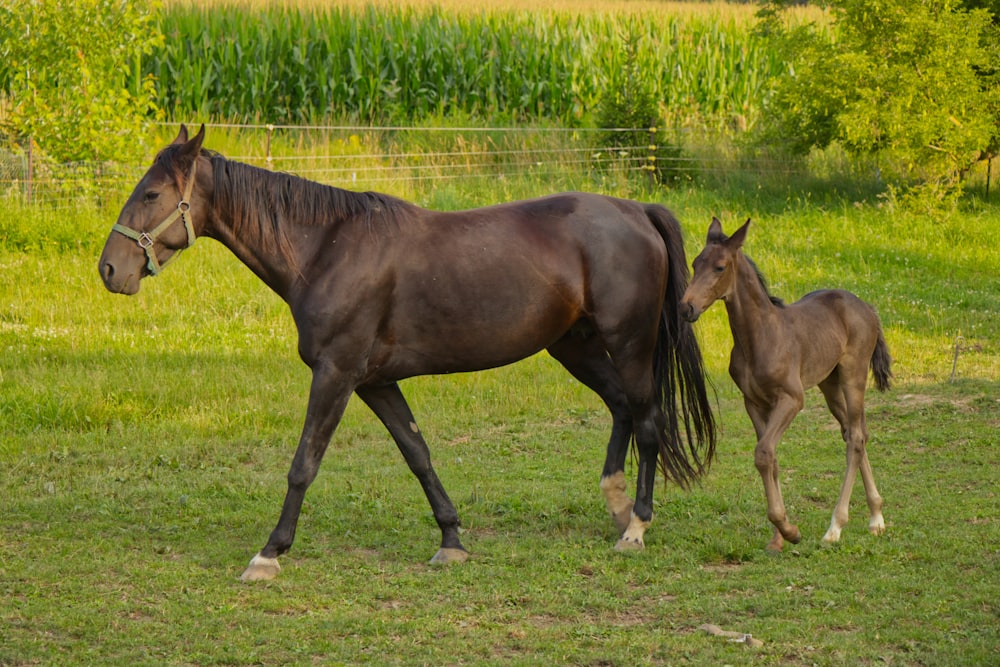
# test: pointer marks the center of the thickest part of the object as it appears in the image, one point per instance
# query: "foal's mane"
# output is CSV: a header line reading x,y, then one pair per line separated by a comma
x,y
778,301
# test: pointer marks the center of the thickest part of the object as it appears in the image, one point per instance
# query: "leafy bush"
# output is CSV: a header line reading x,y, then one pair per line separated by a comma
x,y
73,69
913,83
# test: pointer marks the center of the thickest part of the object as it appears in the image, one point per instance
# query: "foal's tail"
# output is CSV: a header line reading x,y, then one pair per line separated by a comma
x,y
678,369
881,362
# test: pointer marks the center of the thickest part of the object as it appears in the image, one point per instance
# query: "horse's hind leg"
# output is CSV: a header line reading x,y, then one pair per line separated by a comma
x,y
387,402
847,405
583,355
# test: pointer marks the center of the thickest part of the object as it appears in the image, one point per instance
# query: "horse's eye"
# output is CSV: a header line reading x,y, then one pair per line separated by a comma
x,y
150,197
720,268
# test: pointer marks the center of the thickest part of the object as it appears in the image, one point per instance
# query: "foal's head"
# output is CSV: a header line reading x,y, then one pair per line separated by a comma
x,y
714,270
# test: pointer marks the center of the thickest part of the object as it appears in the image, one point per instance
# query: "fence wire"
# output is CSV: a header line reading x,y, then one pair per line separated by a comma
x,y
373,157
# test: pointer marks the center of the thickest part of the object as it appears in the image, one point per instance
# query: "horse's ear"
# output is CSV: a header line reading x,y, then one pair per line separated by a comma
x,y
199,139
740,235
715,234
182,135
191,148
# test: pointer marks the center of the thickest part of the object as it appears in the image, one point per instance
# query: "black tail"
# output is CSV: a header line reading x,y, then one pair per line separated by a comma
x,y
881,362
678,369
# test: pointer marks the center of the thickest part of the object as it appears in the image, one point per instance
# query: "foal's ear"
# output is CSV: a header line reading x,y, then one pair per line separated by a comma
x,y
715,234
740,235
182,135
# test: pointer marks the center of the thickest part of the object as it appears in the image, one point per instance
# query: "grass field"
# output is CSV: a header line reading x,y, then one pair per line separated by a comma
x,y
144,444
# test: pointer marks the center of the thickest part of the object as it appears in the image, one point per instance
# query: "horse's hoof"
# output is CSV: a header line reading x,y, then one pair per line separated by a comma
x,y
832,536
627,544
622,520
793,535
448,556
261,569
877,525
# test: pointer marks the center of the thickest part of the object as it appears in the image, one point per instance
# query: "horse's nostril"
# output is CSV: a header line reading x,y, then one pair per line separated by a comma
x,y
107,270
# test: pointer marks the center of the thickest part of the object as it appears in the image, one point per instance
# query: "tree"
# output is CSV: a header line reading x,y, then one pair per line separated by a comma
x,y
74,76
911,82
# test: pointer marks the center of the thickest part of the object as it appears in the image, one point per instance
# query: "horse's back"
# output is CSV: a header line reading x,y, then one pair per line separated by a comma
x,y
484,287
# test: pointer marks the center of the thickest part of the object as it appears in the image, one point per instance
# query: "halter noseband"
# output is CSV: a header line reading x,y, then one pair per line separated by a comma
x,y
147,239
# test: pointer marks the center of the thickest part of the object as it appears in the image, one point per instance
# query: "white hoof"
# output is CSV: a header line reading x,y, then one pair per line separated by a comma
x,y
630,544
261,569
449,556
832,536
631,540
876,526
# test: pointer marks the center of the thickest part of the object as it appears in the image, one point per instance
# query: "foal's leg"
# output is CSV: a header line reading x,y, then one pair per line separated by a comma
x,y
586,359
328,396
847,405
387,402
770,427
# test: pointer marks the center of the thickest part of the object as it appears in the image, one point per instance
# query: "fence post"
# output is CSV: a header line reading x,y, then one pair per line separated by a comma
x,y
989,169
31,167
651,166
267,156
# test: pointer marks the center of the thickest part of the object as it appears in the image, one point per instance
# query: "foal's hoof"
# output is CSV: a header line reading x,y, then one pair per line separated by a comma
x,y
630,544
448,556
877,525
261,569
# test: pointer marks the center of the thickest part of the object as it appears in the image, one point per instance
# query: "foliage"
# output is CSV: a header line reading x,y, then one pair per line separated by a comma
x,y
74,75
913,83
629,101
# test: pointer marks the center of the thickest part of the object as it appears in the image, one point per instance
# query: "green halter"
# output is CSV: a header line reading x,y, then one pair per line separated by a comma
x,y
147,239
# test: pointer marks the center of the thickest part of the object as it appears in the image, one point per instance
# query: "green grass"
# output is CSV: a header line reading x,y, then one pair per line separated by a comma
x,y
144,444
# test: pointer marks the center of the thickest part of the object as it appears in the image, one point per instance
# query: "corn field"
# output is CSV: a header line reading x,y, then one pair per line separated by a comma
x,y
386,64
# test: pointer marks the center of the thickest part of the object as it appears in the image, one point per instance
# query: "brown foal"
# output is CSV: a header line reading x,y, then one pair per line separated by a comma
x,y
828,338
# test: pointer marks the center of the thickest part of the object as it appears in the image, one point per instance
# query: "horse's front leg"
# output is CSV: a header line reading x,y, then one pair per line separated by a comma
x,y
765,459
387,402
328,397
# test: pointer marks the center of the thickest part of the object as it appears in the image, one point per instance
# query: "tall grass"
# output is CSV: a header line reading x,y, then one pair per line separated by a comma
x,y
382,63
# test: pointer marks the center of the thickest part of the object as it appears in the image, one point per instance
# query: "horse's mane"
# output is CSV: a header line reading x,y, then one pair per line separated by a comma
x,y
778,301
261,204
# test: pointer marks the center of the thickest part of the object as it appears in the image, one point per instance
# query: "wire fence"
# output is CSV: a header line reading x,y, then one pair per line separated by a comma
x,y
395,158
353,157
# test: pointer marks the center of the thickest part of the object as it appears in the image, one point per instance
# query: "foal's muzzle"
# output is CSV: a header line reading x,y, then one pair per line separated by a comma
x,y
689,312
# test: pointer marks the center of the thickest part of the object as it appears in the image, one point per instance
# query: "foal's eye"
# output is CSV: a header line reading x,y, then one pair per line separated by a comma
x,y
150,197
720,268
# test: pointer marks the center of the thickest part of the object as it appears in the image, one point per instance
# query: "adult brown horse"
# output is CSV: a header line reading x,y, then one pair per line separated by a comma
x,y
827,338
382,290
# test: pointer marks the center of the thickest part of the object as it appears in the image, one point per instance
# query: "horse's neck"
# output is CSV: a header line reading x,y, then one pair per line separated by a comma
x,y
275,252
751,312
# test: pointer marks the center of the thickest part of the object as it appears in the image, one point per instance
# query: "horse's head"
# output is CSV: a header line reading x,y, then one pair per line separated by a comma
x,y
714,271
164,214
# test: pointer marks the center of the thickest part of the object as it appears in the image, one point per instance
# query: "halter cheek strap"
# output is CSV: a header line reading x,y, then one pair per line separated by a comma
x,y
146,240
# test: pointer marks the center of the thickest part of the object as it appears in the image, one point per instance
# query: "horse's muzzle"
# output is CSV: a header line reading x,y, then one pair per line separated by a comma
x,y
116,281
